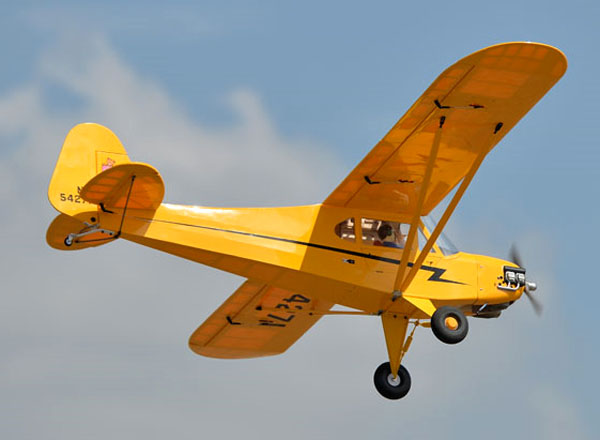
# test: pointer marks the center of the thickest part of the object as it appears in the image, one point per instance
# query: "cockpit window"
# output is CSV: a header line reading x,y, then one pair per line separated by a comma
x,y
388,234
345,230
384,233
444,243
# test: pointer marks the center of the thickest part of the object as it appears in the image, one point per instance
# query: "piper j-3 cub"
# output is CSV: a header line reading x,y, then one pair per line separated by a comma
x,y
369,246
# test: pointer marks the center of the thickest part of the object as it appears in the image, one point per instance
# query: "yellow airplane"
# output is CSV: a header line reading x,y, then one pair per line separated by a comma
x,y
369,246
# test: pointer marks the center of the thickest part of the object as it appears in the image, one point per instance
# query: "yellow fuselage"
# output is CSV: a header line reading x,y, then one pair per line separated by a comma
x,y
296,248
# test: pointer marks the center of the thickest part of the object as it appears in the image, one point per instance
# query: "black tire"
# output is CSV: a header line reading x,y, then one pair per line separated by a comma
x,y
442,331
389,388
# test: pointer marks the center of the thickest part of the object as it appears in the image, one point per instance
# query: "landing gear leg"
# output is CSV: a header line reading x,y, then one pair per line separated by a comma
x,y
392,379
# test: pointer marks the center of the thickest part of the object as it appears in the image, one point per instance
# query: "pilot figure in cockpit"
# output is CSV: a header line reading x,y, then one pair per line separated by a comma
x,y
390,236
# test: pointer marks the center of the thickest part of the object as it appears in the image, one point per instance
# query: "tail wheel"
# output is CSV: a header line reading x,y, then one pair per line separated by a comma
x,y
449,325
389,386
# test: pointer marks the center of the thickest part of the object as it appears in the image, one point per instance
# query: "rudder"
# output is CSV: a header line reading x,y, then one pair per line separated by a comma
x,y
88,149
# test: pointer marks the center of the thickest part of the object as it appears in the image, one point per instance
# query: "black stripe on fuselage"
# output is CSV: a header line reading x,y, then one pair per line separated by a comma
x,y
436,275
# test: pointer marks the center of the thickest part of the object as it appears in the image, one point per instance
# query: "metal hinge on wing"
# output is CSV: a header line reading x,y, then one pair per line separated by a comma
x,y
439,105
467,107
377,182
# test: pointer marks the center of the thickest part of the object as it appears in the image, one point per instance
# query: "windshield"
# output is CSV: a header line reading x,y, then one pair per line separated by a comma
x,y
446,246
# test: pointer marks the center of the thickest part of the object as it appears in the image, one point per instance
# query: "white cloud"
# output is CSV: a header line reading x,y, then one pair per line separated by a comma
x,y
248,162
95,341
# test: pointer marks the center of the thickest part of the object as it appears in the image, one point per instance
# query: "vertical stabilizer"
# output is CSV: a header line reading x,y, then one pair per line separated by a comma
x,y
88,150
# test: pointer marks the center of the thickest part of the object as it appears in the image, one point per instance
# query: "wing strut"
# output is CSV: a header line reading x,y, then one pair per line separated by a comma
x,y
403,284
443,220
414,224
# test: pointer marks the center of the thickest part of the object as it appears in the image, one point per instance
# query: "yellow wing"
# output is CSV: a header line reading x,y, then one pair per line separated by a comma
x,y
137,184
481,97
256,320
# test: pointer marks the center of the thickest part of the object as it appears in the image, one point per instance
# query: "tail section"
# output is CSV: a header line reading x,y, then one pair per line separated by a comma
x,y
94,178
88,150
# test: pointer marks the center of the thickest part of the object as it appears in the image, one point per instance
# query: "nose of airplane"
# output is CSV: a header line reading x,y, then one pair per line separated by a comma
x,y
530,286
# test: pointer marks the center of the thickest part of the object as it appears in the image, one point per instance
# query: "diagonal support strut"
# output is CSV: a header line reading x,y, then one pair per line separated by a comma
x,y
414,224
443,220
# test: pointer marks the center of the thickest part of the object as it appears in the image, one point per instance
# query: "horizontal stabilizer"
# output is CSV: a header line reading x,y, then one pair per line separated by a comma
x,y
63,227
138,182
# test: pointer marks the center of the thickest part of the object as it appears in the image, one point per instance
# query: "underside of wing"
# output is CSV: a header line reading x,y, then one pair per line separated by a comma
x,y
256,320
138,185
478,100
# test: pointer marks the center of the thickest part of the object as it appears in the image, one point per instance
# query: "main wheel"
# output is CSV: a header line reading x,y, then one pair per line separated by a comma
x,y
390,387
449,325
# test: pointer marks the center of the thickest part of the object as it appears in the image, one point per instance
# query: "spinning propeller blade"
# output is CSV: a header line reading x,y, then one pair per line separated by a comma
x,y
515,257
537,306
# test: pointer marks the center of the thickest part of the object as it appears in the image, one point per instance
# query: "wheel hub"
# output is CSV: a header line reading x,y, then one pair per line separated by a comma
x,y
393,381
451,323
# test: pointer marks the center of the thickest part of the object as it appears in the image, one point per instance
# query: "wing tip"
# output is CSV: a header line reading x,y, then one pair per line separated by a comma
x,y
527,49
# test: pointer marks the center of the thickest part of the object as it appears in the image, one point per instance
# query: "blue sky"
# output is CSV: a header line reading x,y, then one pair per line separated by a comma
x,y
266,103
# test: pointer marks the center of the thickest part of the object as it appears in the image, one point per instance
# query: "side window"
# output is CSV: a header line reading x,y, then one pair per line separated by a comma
x,y
383,233
369,228
388,234
345,230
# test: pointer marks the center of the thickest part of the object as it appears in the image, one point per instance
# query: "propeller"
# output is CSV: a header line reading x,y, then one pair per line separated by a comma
x,y
515,257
